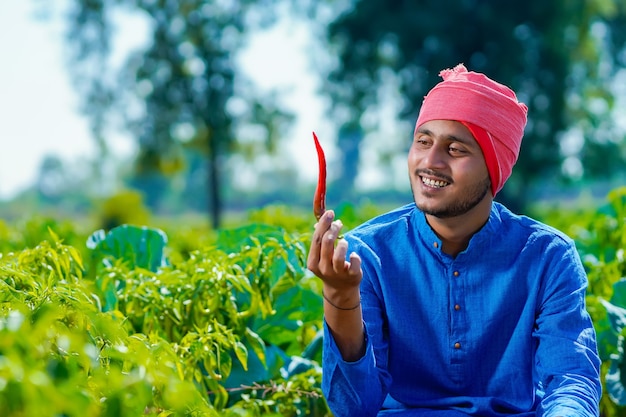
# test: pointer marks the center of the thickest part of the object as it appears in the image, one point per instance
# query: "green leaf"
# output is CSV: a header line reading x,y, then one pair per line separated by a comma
x,y
256,370
616,377
293,308
137,247
242,353
619,293
256,343
616,315
233,240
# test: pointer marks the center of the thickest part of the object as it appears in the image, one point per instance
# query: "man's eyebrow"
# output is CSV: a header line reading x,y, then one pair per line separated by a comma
x,y
449,137
424,131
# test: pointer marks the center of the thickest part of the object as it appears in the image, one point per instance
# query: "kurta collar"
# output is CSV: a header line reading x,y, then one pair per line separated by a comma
x,y
479,243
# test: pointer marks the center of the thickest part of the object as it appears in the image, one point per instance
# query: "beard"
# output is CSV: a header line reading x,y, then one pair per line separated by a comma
x,y
470,199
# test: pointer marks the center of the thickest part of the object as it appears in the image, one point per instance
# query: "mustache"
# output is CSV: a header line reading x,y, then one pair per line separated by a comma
x,y
431,173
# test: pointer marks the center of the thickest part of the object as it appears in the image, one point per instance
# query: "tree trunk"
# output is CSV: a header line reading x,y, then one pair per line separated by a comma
x,y
214,199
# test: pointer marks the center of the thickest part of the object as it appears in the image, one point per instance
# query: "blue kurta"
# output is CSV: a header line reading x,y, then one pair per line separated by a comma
x,y
501,329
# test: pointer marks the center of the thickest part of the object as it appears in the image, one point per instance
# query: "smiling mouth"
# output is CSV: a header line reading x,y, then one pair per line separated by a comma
x,y
432,183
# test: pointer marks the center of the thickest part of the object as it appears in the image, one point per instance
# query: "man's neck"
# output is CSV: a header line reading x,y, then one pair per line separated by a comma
x,y
456,232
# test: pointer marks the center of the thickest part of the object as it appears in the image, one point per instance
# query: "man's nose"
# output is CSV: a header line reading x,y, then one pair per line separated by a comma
x,y
435,157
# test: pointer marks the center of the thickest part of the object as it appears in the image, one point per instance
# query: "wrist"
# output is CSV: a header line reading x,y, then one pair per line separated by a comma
x,y
344,300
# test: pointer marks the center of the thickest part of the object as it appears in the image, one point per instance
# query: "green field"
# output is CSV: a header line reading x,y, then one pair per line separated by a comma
x,y
183,320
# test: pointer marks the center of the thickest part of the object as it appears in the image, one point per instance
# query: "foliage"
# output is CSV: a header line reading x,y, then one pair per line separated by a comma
x,y
233,329
29,233
137,322
561,58
139,247
123,207
63,356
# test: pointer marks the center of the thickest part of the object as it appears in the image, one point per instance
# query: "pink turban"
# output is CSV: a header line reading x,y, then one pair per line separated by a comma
x,y
488,109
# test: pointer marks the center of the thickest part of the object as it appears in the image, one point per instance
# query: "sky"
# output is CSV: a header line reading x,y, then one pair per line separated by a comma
x,y
38,105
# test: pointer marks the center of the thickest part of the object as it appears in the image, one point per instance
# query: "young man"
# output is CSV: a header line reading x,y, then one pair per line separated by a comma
x,y
453,305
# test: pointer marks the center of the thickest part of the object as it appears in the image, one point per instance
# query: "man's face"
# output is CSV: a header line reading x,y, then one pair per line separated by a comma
x,y
447,169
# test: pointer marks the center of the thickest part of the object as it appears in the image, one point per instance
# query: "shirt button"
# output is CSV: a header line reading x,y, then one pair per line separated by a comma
x,y
436,244
457,345
457,307
455,273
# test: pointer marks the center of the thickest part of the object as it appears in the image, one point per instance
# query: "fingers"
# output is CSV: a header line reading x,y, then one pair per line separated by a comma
x,y
321,259
321,227
339,256
354,266
328,253
327,256
340,265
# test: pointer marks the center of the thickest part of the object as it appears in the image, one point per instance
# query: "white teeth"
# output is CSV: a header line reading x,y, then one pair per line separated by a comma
x,y
434,183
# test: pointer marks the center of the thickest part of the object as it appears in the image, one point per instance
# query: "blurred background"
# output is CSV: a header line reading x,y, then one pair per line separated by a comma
x,y
114,111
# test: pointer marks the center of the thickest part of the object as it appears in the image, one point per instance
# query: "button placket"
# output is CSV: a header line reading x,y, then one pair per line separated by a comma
x,y
457,307
457,316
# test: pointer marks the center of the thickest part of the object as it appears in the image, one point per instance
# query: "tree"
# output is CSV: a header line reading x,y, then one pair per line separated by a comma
x,y
176,93
51,178
549,52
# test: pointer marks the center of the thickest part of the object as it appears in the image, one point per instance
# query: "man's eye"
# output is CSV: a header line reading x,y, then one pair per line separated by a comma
x,y
455,150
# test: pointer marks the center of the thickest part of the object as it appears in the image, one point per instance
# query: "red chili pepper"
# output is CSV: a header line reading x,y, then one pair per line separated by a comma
x,y
319,200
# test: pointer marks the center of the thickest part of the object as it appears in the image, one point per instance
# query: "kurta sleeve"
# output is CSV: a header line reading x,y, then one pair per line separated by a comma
x,y
567,359
358,388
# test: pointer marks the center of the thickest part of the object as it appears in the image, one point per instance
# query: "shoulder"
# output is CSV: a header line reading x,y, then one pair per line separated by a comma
x,y
527,230
536,249
399,217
